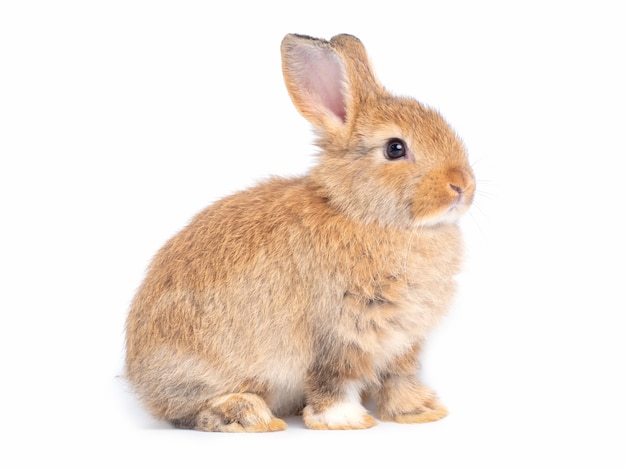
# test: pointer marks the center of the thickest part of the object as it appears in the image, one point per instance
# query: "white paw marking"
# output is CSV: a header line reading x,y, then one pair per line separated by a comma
x,y
347,413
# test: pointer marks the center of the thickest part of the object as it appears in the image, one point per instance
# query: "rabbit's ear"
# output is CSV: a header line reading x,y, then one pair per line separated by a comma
x,y
326,80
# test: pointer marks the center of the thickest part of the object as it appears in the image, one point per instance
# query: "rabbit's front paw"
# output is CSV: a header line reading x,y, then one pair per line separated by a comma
x,y
339,416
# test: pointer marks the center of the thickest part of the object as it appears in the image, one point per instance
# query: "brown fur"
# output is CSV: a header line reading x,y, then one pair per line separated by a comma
x,y
299,294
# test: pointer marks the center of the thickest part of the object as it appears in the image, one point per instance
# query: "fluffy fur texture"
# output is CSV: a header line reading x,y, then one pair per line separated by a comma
x,y
304,294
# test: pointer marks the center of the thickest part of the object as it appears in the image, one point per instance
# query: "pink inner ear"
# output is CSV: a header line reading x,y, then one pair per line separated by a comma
x,y
323,79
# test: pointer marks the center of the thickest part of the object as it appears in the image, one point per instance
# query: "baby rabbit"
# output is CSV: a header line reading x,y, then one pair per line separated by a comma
x,y
302,295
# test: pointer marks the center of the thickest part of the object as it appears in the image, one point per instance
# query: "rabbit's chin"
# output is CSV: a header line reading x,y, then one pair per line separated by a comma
x,y
449,216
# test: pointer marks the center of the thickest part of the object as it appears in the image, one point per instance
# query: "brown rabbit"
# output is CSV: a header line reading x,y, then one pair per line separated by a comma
x,y
304,294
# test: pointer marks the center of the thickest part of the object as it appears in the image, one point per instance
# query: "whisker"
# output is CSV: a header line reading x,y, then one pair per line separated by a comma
x,y
480,230
475,162
476,206
485,194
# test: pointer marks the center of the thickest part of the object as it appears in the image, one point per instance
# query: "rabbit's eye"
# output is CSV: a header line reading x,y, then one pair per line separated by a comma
x,y
395,149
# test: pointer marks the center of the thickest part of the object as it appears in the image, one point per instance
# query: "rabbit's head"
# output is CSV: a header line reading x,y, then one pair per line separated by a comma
x,y
383,158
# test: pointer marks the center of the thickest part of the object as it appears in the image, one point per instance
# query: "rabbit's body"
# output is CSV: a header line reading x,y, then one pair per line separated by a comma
x,y
305,293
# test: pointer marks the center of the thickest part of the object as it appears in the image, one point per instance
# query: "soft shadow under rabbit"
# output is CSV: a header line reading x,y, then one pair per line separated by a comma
x,y
303,294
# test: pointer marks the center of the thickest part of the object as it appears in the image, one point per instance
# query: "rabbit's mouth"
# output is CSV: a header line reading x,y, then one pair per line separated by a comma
x,y
463,199
461,203
450,213
458,207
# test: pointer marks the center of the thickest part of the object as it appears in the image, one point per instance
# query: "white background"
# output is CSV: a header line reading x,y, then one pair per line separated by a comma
x,y
119,120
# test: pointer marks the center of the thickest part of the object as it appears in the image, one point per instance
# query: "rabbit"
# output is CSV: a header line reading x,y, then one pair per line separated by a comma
x,y
304,295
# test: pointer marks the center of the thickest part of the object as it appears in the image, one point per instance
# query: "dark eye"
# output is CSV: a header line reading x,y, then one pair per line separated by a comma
x,y
395,149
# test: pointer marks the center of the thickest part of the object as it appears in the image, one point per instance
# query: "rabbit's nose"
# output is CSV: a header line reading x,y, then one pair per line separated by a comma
x,y
461,184
460,180
456,188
